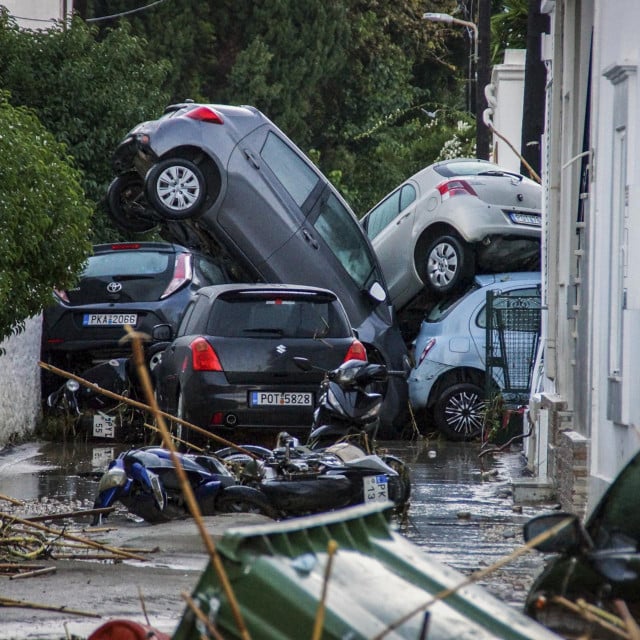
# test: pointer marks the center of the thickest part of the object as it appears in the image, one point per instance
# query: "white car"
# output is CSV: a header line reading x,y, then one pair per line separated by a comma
x,y
452,220
449,379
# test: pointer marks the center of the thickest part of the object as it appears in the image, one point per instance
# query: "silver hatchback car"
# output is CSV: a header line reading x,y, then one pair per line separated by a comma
x,y
450,374
451,220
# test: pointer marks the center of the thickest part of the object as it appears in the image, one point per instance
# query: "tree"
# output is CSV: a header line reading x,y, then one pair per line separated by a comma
x,y
44,217
87,92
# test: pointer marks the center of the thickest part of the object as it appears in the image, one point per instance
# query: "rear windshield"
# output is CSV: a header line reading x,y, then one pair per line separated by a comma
x,y
128,263
286,317
469,168
446,306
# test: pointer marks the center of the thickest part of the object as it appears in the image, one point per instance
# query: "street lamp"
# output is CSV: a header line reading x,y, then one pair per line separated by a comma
x,y
445,17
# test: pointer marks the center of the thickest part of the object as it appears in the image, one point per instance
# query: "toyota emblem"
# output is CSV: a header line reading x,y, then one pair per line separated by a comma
x,y
114,287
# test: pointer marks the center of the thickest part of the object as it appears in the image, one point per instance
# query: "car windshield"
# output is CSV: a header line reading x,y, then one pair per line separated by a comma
x,y
127,263
278,316
344,237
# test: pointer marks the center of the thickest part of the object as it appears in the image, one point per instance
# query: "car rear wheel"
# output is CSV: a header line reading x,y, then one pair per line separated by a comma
x,y
459,411
176,188
447,265
127,204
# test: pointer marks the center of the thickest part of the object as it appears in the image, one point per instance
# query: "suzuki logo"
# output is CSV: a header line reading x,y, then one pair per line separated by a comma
x,y
114,287
281,349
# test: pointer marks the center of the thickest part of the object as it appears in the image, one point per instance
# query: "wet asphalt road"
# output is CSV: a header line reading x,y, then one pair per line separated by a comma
x,y
462,510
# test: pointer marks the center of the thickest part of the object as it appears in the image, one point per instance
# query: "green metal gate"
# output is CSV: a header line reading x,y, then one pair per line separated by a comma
x,y
512,335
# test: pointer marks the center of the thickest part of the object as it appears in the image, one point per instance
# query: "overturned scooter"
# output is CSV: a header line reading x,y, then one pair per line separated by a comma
x,y
145,481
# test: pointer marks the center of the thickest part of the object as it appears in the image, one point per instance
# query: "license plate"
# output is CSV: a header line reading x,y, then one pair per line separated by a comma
x,y
280,399
376,488
104,426
109,319
525,218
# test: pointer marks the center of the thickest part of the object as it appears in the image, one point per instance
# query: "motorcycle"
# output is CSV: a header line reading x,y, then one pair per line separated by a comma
x,y
101,416
339,465
299,481
145,481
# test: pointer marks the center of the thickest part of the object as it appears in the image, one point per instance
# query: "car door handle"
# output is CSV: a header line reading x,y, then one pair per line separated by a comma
x,y
310,239
251,157
401,218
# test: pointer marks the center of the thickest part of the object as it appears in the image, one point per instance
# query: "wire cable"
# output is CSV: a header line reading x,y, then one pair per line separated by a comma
x,y
126,13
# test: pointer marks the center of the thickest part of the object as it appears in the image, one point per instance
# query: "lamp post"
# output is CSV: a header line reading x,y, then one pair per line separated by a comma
x,y
482,141
448,19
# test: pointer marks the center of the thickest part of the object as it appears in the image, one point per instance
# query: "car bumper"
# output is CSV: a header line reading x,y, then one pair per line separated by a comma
x,y
421,382
211,403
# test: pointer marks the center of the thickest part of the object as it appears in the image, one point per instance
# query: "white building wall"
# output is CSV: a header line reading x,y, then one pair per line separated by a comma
x,y
20,408
507,88
591,274
38,14
615,270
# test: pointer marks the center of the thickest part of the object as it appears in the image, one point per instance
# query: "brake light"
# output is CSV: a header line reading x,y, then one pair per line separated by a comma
x,y
125,246
205,114
427,347
203,356
356,352
182,273
450,188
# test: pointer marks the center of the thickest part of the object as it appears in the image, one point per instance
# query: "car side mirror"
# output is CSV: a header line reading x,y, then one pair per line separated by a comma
x,y
161,333
570,537
377,292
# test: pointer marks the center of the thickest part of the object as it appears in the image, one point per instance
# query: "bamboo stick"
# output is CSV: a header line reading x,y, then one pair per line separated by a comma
x,y
23,604
185,485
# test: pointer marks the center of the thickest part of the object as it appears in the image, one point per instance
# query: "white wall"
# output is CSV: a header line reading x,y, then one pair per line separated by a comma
x,y
507,86
37,14
20,408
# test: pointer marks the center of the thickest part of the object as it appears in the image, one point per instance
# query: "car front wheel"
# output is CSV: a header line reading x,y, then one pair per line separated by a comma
x,y
447,265
176,188
459,411
127,205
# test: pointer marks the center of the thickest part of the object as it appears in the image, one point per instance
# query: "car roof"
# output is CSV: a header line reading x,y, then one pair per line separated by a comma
x,y
213,291
488,279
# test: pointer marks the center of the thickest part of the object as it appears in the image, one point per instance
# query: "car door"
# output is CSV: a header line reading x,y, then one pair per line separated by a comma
x,y
389,226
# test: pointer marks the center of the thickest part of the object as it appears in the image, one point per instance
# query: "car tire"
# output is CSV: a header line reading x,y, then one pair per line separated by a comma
x,y
127,204
239,499
448,264
459,411
176,188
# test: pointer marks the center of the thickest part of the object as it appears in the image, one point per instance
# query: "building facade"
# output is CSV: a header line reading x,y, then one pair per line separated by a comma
x,y
586,410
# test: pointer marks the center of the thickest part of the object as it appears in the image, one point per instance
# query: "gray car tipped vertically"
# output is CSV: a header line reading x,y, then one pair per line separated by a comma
x,y
227,180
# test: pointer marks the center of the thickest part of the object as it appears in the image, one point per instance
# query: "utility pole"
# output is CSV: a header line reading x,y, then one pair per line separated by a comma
x,y
483,77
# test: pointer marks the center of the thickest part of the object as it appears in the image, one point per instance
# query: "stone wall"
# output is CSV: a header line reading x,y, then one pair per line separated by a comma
x,y
20,408
568,458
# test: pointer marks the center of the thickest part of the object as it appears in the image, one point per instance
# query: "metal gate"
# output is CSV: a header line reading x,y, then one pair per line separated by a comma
x,y
513,332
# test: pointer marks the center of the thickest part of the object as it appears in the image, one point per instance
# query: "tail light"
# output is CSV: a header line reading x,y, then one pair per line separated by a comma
x,y
62,294
182,274
203,356
427,347
356,352
450,188
205,114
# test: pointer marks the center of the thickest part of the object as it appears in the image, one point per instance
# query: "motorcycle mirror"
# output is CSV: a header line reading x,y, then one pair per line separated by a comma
x,y
161,333
72,385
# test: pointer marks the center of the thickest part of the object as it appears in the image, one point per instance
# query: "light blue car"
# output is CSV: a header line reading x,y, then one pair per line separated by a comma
x,y
449,377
